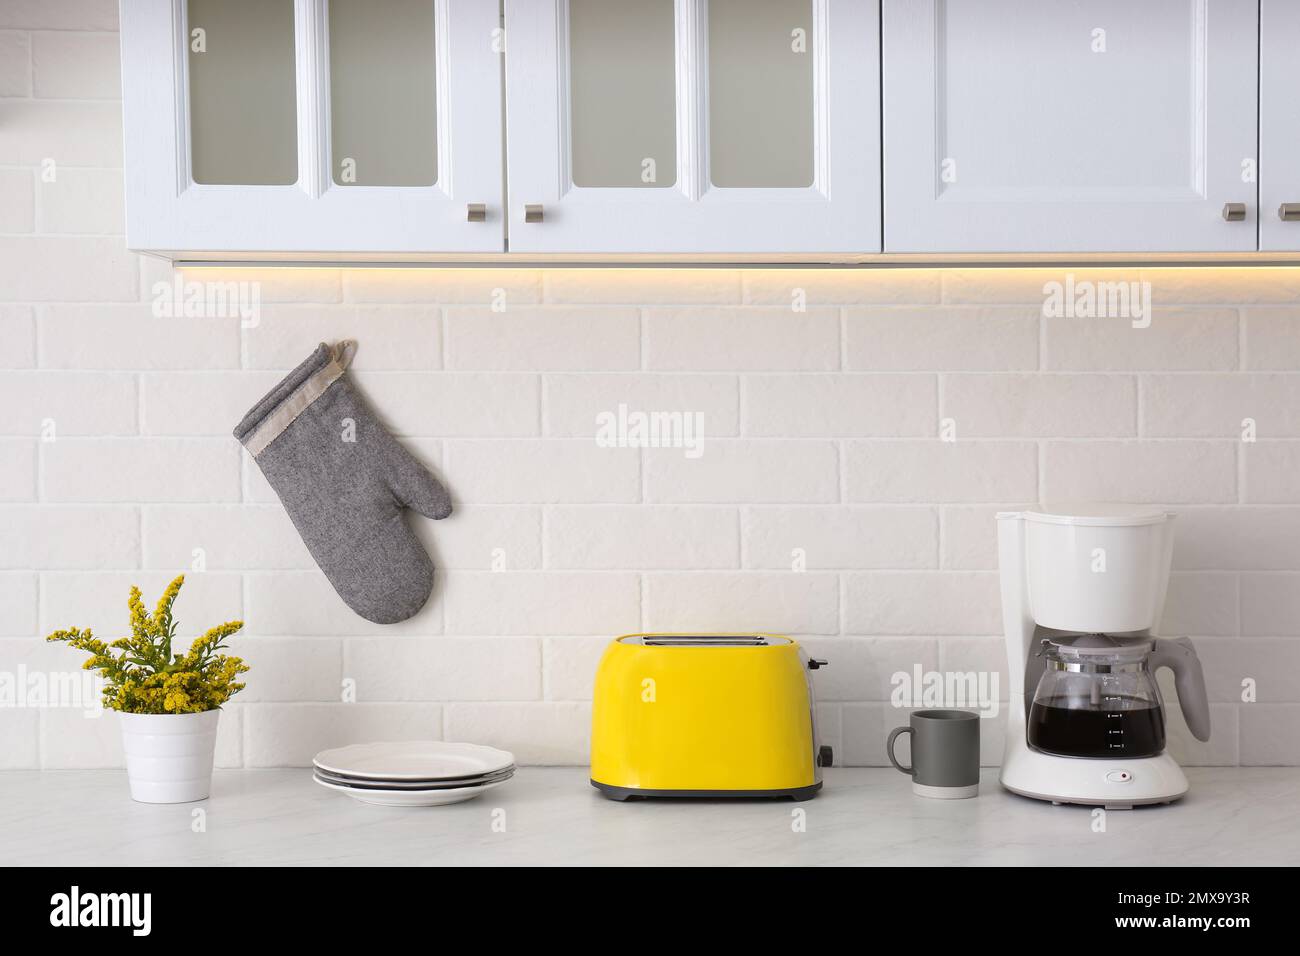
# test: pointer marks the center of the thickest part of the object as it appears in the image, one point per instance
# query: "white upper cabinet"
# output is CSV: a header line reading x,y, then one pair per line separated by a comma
x,y
307,126
693,126
1099,126
1279,126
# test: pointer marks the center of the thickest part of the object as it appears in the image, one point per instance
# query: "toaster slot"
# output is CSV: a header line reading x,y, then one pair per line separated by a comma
x,y
706,640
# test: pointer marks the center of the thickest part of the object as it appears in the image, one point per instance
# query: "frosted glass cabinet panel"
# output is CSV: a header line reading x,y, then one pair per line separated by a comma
x,y
761,93
243,102
1023,126
623,78
693,126
269,128
383,93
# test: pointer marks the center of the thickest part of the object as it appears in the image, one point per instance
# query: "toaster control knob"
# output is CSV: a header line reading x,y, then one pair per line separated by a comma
x,y
814,663
825,756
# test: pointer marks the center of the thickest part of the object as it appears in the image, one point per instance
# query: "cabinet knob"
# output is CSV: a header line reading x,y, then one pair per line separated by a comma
x,y
1289,212
533,212
1234,211
476,212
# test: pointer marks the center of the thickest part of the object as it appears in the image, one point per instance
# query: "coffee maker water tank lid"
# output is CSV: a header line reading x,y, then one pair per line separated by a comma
x,y
1099,515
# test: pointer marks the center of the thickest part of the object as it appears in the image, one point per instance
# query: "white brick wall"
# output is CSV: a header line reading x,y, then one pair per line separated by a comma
x,y
821,451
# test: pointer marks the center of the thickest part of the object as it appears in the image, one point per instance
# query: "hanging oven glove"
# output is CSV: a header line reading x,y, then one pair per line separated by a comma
x,y
345,481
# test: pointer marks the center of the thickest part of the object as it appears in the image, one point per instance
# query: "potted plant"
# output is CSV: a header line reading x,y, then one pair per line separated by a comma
x,y
169,703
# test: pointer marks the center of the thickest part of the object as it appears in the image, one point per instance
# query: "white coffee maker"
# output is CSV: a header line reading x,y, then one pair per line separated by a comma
x,y
1083,589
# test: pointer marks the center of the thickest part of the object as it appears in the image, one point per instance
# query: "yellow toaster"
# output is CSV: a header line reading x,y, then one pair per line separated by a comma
x,y
705,715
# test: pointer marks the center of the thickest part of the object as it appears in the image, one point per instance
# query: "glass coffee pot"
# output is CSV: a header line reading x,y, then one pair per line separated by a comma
x,y
1098,697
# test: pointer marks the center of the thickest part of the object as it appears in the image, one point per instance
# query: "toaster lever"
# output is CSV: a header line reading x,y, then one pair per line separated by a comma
x,y
825,756
814,663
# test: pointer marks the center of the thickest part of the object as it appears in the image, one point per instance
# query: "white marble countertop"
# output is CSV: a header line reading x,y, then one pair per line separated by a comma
x,y
1244,816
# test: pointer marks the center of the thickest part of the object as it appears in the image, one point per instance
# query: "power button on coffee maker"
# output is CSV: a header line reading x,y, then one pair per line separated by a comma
x,y
1118,776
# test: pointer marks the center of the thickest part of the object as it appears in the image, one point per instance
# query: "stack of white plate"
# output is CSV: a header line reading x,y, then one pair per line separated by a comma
x,y
419,773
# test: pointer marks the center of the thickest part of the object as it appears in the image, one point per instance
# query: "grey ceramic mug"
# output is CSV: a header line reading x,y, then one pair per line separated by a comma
x,y
945,753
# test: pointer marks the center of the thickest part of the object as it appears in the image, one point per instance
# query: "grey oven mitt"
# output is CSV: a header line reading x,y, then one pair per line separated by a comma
x,y
345,482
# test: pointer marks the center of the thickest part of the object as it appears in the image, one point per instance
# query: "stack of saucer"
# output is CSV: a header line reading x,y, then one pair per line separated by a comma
x,y
418,773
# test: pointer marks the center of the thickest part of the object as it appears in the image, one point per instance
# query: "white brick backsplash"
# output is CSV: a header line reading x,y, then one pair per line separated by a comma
x,y
1161,471
1199,604
126,470
536,733
1247,539
460,404
18,591
230,537
35,537
87,269
18,327
636,286
1026,285
82,201
978,655
1272,473
1231,286
850,406
835,537
304,604
862,668
73,403
17,195
1270,604
17,470
98,600
71,738
275,284
744,471
15,64
1033,406
569,666
21,731
970,536
389,337
541,472
640,537
1272,664
771,602
534,339
484,538
290,668
130,338
1272,339
194,404
1270,735
573,403
701,339
510,287
948,339
1214,406
1221,750
444,668
542,602
74,65
71,132
289,735
940,471
840,286
923,602
1175,340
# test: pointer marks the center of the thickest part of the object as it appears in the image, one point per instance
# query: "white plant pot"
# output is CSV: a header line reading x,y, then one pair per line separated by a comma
x,y
169,756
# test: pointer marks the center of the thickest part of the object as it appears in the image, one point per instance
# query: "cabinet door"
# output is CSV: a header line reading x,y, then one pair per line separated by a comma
x,y
1099,126
1279,126
693,126
312,126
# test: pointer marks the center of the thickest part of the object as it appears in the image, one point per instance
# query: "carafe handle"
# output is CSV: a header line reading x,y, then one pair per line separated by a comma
x,y
1179,656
